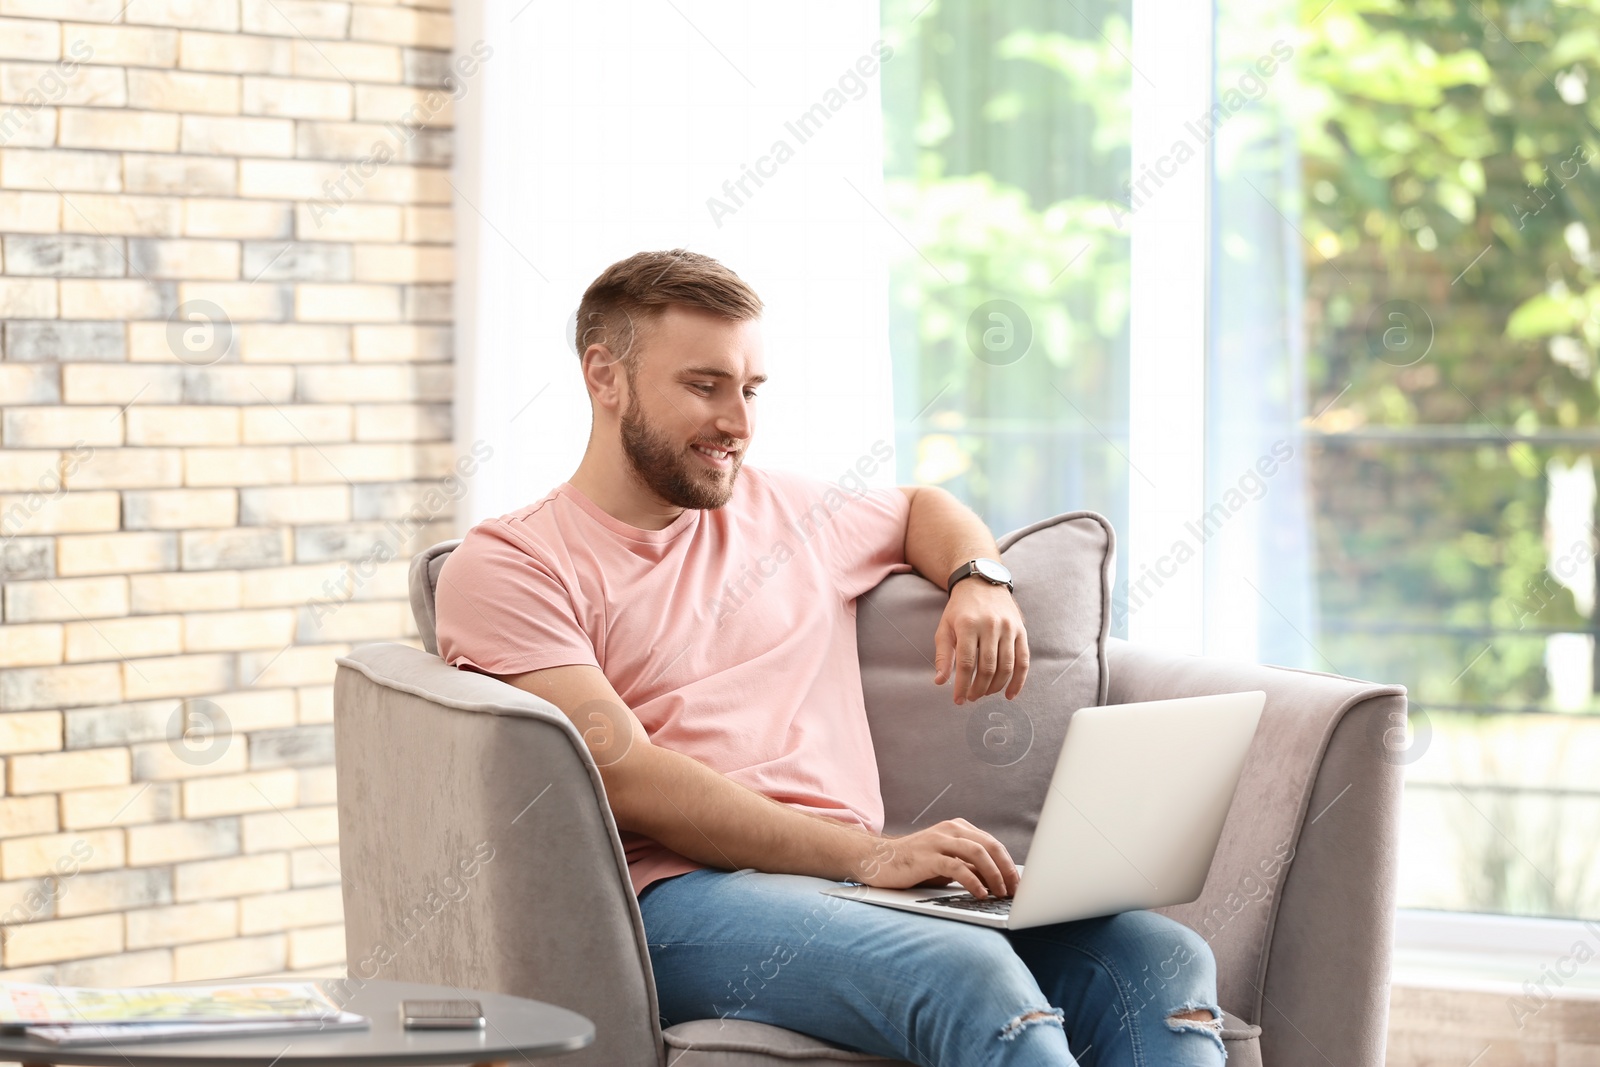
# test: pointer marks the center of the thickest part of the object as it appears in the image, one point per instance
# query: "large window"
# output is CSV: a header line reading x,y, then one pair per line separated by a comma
x,y
1405,290
1403,328
1006,137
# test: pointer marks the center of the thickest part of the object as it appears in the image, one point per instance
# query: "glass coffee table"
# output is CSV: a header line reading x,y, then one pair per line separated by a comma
x,y
517,1029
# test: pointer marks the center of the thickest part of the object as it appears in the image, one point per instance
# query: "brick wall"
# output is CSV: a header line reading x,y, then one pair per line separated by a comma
x,y
225,415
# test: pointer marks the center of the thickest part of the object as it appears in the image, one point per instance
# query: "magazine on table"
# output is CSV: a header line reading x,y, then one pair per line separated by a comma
x,y
77,1014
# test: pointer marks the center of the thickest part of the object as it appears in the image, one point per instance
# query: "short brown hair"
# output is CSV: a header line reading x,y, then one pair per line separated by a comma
x,y
630,296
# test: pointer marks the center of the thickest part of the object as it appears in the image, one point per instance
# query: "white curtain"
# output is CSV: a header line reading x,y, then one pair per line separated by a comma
x,y
748,132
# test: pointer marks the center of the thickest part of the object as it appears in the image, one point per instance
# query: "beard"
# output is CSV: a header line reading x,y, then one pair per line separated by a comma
x,y
666,468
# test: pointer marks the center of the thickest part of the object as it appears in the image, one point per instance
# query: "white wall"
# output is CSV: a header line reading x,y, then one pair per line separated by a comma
x,y
600,129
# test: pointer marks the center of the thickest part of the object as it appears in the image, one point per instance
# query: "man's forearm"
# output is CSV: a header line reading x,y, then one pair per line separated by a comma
x,y
942,533
711,819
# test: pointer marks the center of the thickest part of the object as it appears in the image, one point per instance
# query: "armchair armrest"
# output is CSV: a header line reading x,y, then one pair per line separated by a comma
x,y
477,847
1306,943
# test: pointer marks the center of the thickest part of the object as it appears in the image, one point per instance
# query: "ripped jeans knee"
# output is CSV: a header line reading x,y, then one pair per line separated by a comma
x,y
1029,1018
1183,1019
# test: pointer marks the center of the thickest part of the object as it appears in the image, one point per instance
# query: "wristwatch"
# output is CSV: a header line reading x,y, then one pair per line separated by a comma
x,y
991,571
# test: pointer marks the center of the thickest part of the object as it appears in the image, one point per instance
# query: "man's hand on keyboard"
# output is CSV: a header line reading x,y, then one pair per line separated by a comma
x,y
950,851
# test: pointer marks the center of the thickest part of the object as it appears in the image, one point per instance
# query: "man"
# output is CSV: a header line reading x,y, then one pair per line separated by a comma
x,y
696,621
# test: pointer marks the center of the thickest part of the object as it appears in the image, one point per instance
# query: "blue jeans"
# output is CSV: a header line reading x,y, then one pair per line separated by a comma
x,y
770,948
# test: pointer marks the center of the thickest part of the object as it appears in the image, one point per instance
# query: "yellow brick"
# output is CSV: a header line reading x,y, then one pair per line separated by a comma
x,y
258,709
53,600
316,704
313,866
30,514
277,586
189,14
318,785
233,958
66,686
401,344
116,554
30,212
27,298
358,621
415,107
326,219
121,46
296,907
211,590
63,939
29,645
80,10
237,136
178,759
180,509
147,968
27,815
403,263
301,665
32,168
128,468
272,830
175,842
119,805
179,175
182,924
316,946
53,772
114,298
429,225
293,343
172,90
242,301
32,39
120,128
176,676
339,60
236,218
110,639
24,471
30,731
120,383
63,427
237,466
371,462
226,631
234,53
346,303
97,86
398,25
297,423
296,18
231,795
198,425
296,98
62,854
401,184
190,260
232,877
402,422
135,216
291,505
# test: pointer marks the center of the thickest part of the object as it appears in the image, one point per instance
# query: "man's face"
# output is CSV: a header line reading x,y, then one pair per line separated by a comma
x,y
691,406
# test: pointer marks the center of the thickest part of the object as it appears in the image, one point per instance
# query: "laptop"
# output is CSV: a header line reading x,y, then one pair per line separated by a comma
x,y
1131,820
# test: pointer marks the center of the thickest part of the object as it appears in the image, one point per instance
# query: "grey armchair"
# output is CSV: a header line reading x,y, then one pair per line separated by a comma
x,y
478,849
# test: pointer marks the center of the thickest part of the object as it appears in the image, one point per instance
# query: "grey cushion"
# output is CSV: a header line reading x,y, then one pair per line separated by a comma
x,y
989,761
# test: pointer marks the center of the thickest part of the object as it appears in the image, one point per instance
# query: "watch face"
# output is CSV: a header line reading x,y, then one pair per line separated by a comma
x,y
995,572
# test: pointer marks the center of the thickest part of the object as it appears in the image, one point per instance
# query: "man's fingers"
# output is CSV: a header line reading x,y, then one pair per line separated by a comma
x,y
1019,672
977,857
966,662
943,652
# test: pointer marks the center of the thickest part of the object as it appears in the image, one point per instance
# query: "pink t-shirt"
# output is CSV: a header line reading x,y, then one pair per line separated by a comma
x,y
730,633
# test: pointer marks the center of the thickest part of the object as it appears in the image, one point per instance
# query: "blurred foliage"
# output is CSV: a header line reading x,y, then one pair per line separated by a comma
x,y
1449,156
1006,133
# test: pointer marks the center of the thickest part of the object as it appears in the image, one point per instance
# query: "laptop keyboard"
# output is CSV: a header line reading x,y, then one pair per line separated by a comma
x,y
968,902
